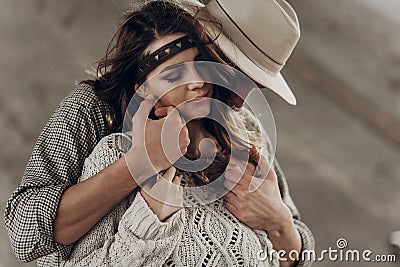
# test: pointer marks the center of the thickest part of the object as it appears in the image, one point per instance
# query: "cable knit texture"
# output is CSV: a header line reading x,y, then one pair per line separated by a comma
x,y
132,235
204,235
56,163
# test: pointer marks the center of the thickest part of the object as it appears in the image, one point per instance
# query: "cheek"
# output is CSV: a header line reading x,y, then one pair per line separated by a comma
x,y
172,98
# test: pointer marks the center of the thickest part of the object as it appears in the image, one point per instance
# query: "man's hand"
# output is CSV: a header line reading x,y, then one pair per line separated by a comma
x,y
165,196
261,206
156,144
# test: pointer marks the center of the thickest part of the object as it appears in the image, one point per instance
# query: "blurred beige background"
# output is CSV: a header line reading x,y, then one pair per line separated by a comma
x,y
339,147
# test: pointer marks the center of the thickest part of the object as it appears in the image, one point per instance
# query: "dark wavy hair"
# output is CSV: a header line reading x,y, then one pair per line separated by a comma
x,y
140,27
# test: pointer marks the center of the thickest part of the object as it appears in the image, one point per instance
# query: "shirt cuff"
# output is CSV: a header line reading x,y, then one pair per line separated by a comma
x,y
144,223
46,236
307,242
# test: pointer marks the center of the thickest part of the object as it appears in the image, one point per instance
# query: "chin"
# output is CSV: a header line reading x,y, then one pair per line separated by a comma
x,y
196,113
198,118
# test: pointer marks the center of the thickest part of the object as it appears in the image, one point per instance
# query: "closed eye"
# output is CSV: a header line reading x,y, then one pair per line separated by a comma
x,y
174,78
199,57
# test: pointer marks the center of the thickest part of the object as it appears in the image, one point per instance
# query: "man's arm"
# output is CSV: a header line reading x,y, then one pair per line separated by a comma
x,y
48,186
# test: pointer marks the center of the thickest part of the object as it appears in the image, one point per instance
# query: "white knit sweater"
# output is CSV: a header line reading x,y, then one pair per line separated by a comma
x,y
132,235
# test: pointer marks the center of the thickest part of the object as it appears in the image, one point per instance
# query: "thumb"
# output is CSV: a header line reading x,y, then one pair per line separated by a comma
x,y
169,174
163,111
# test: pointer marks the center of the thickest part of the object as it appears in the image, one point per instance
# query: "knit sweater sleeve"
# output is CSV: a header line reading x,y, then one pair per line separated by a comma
x,y
141,239
131,234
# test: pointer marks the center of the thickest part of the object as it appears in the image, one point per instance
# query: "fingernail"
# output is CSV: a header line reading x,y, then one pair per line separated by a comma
x,y
235,168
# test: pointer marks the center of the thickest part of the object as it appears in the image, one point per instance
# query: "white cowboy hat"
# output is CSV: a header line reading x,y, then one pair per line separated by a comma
x,y
258,36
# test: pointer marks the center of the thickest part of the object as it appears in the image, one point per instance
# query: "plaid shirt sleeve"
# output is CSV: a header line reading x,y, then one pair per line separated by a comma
x,y
307,238
55,164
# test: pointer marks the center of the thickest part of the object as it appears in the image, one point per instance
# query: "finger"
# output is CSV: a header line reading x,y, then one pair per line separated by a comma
x,y
272,174
263,168
231,207
163,111
174,147
262,172
184,139
168,111
239,191
184,142
167,189
244,181
235,169
250,168
235,175
171,117
234,161
232,177
175,117
229,185
184,131
177,179
177,183
231,197
141,115
234,187
169,174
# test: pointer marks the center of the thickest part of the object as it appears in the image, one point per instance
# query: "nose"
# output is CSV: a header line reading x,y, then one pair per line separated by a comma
x,y
195,80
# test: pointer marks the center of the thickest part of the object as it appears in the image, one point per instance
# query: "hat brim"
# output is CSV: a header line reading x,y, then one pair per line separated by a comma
x,y
274,82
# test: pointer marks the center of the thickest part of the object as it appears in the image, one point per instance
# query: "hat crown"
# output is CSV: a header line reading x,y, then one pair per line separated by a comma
x,y
258,20
258,36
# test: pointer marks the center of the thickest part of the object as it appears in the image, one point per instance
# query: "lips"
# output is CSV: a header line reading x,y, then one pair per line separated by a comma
x,y
203,95
199,98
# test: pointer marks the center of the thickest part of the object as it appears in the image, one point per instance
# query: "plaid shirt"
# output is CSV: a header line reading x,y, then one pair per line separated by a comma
x,y
70,135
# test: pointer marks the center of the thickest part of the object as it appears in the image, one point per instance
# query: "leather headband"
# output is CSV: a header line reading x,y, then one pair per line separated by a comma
x,y
162,54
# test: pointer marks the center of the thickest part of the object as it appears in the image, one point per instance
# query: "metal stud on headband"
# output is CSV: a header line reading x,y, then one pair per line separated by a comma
x,y
162,54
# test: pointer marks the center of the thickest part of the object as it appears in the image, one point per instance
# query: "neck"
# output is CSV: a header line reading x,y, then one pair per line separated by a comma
x,y
197,132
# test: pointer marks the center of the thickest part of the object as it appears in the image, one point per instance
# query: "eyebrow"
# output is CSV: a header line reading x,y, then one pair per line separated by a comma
x,y
178,65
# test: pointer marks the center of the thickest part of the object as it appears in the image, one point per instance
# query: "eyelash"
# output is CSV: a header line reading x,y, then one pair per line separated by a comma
x,y
198,57
174,79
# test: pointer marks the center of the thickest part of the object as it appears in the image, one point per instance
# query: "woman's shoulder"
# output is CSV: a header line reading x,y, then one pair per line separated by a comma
x,y
118,143
108,150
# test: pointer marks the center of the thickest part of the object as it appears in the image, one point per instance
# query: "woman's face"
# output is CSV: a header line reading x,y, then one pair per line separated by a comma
x,y
179,86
